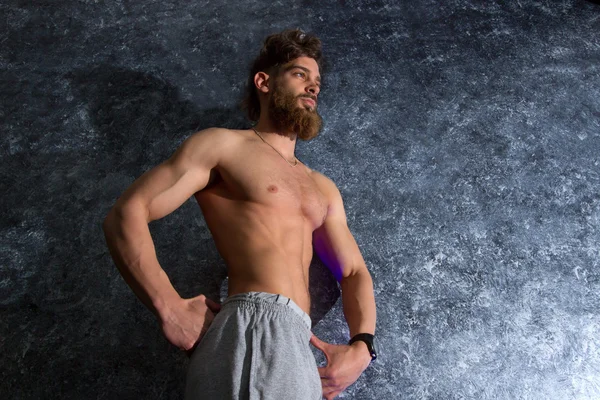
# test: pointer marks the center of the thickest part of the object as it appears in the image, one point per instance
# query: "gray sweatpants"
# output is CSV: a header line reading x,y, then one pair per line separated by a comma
x,y
257,347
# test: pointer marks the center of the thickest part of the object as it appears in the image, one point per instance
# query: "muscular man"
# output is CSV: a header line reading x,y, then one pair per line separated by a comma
x,y
266,210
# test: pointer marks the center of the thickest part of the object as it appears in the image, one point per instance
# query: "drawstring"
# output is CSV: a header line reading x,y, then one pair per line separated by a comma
x,y
277,300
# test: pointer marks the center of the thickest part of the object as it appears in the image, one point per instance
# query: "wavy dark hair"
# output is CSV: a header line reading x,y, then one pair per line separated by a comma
x,y
279,49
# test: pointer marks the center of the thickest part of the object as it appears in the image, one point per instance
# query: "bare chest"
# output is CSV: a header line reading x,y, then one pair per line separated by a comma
x,y
263,177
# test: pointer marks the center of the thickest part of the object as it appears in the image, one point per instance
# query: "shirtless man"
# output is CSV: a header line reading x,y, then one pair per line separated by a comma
x,y
265,210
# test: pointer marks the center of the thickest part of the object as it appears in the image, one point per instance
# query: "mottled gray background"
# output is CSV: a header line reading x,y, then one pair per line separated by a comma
x,y
464,136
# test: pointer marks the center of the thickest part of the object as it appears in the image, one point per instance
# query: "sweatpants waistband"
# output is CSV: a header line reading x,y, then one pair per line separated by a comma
x,y
269,298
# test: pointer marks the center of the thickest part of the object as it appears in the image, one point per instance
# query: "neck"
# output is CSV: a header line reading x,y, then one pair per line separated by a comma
x,y
284,141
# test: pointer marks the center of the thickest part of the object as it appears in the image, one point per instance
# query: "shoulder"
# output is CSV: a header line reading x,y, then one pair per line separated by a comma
x,y
205,148
335,204
213,140
212,135
325,185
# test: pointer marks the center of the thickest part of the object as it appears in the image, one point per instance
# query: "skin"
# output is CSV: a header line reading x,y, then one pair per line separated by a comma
x,y
265,217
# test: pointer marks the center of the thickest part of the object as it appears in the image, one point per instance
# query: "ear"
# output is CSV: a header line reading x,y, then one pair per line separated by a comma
x,y
262,82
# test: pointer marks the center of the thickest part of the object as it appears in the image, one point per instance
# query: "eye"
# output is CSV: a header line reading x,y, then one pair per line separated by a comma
x,y
300,74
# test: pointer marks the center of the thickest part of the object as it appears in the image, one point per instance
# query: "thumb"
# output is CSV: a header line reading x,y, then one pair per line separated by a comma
x,y
321,345
213,305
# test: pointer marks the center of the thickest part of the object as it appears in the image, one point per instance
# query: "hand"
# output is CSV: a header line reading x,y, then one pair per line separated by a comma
x,y
187,321
344,365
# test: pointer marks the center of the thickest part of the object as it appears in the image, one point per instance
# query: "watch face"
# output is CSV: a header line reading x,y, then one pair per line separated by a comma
x,y
374,350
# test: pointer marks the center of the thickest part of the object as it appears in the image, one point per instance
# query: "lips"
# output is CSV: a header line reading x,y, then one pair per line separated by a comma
x,y
309,101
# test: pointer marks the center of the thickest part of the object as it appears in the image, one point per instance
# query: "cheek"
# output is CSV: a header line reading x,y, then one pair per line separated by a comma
x,y
291,87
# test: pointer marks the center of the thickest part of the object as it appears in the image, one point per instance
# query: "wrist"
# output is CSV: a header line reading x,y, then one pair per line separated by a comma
x,y
362,351
165,306
368,339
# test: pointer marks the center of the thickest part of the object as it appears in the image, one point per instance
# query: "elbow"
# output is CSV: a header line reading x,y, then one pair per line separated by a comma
x,y
358,272
116,214
110,221
124,212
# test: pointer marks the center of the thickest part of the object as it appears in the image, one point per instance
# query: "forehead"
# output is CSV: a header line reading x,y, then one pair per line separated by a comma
x,y
306,63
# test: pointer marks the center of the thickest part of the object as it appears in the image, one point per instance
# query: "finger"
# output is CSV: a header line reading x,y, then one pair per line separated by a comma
x,y
329,383
319,344
331,396
213,305
325,375
191,351
331,393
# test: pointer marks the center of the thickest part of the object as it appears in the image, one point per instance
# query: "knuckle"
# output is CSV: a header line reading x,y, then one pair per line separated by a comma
x,y
189,345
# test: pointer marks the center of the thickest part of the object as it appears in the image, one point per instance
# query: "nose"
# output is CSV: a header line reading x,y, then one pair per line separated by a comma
x,y
313,89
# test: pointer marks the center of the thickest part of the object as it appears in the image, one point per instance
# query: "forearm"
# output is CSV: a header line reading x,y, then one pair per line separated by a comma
x,y
359,302
131,247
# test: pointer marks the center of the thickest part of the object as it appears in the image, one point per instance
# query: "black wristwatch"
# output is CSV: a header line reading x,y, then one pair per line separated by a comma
x,y
369,340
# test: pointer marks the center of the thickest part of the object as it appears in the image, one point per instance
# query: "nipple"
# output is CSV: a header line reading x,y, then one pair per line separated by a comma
x,y
272,189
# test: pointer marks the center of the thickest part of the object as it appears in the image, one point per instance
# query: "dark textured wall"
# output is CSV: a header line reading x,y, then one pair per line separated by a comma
x,y
463,135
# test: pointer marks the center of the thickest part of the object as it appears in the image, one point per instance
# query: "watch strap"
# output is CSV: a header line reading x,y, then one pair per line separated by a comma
x,y
368,339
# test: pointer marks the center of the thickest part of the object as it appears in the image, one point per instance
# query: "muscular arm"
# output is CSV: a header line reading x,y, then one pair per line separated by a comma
x,y
155,194
335,245
337,248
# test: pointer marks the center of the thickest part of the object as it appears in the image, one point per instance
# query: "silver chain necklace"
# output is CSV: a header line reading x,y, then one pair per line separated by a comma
x,y
286,160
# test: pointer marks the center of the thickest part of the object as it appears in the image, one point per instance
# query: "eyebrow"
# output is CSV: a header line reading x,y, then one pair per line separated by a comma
x,y
318,78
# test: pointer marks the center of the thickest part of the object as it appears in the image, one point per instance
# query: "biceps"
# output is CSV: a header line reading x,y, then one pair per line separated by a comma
x,y
336,247
164,188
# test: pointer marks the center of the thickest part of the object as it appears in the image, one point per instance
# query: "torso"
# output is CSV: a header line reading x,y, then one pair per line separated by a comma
x,y
262,213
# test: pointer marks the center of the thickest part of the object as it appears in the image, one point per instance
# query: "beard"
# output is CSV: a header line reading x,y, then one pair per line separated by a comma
x,y
286,115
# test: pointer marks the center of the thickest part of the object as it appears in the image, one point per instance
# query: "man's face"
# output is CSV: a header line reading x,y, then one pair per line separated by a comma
x,y
293,101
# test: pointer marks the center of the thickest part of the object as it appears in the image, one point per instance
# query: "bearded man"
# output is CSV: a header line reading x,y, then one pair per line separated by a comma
x,y
266,210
